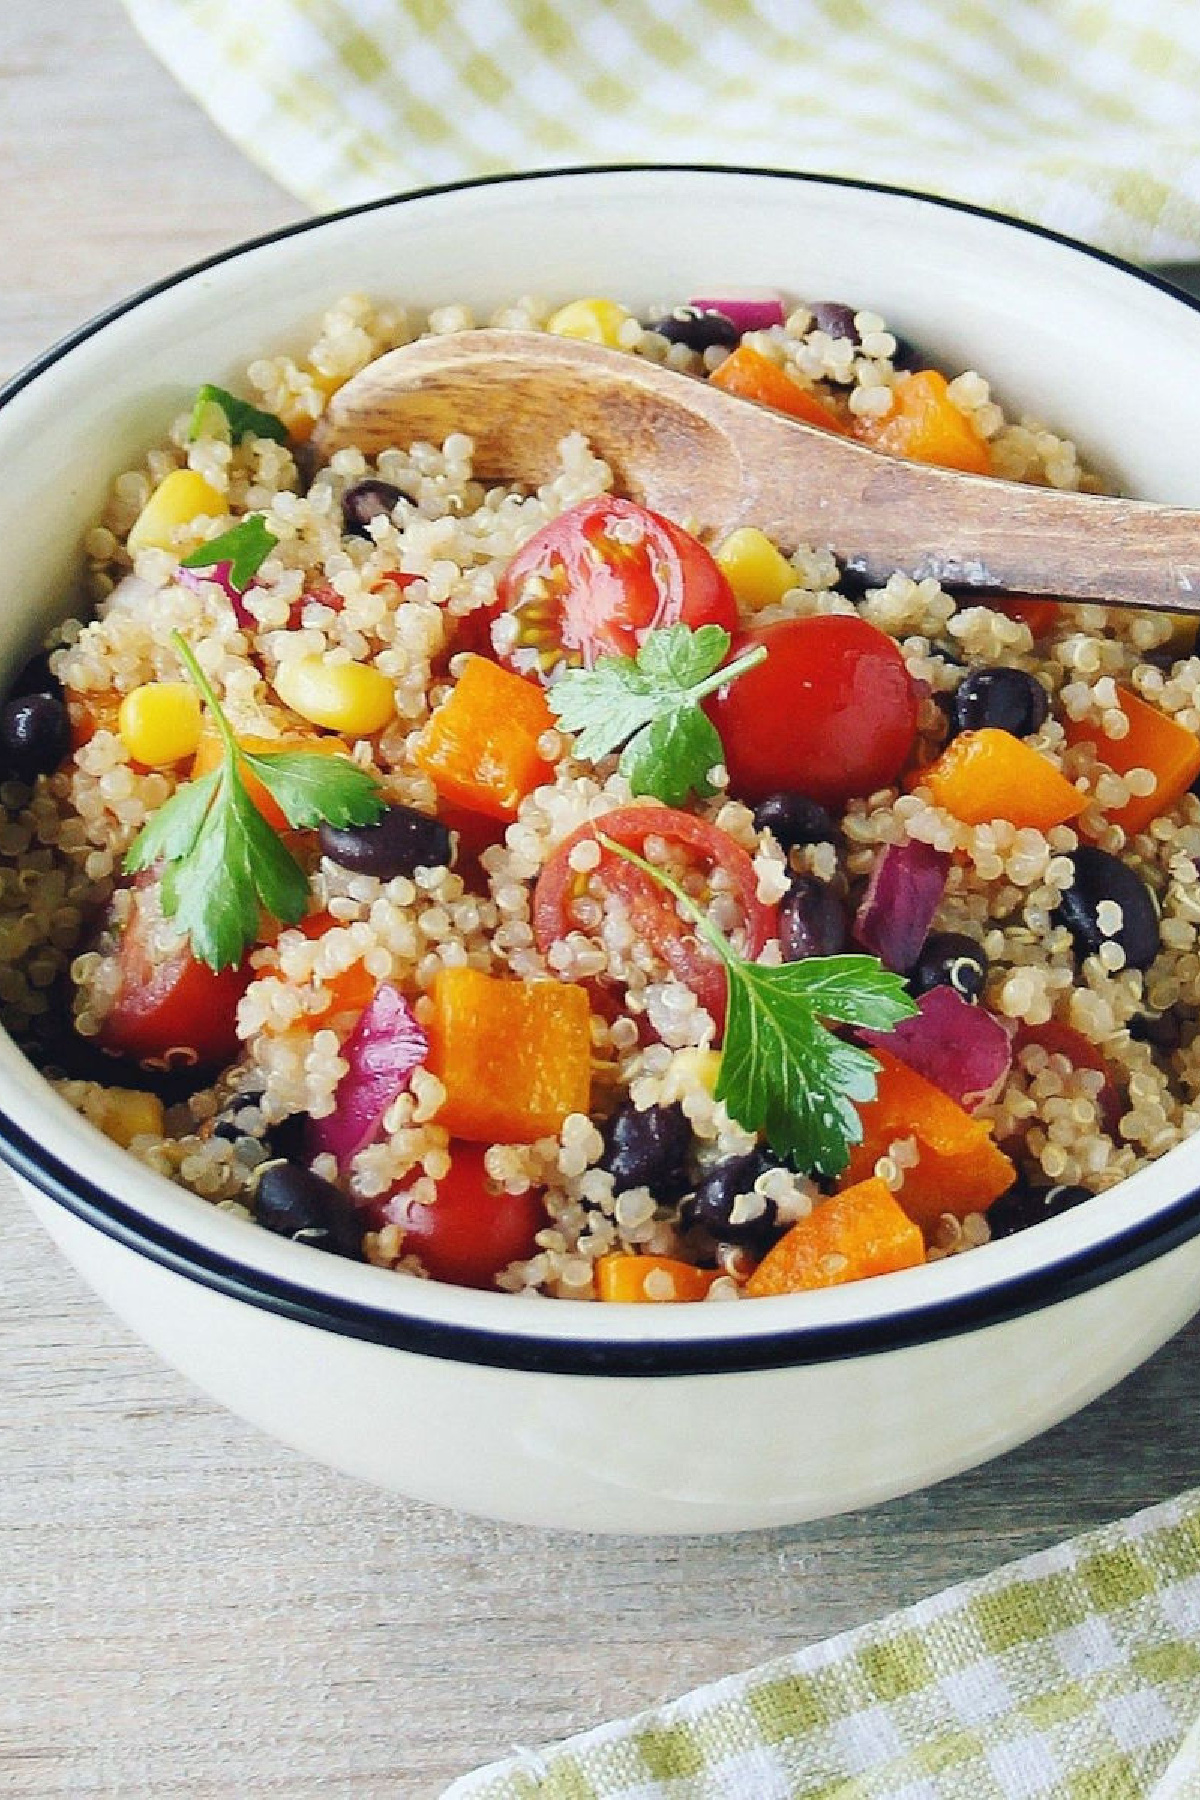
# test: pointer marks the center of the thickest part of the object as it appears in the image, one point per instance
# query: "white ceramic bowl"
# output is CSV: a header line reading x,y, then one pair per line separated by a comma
x,y
669,1419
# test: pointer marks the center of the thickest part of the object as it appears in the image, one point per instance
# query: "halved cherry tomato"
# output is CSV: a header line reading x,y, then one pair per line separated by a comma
x,y
831,713
1059,1039
652,911
1037,613
472,1230
595,581
172,1011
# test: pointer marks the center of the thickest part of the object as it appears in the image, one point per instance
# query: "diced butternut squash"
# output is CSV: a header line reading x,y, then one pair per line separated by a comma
x,y
859,1232
924,425
91,712
759,574
211,749
753,376
180,497
123,1114
642,1279
515,1057
959,1169
480,748
1154,742
990,774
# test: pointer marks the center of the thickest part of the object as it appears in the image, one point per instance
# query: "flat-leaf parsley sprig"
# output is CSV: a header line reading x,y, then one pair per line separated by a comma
x,y
651,704
782,1071
221,862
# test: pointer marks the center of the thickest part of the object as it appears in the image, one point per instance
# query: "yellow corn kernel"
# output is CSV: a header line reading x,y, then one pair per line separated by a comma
x,y
689,1070
759,574
125,1113
179,498
593,321
160,723
352,698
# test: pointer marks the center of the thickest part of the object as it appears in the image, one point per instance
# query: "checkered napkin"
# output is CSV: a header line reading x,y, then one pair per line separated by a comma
x,y
1081,114
1071,1675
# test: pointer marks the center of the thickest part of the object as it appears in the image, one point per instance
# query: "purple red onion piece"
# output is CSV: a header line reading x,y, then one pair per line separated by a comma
x,y
903,894
220,573
749,311
962,1049
383,1050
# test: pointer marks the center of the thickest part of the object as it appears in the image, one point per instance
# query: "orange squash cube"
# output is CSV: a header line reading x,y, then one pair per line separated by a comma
x,y
990,774
924,425
650,1279
515,1057
753,376
480,748
1153,742
959,1168
858,1232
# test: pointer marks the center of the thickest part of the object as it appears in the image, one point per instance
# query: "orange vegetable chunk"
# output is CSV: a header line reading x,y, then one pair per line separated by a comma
x,y
211,751
480,747
1038,614
990,774
515,1057
959,1169
859,1232
924,425
753,376
1153,742
626,1278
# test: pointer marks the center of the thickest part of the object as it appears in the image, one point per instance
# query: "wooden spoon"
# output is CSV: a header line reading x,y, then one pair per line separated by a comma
x,y
714,462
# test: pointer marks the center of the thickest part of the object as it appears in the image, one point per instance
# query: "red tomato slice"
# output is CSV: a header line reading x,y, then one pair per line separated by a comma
x,y
652,911
831,713
595,581
170,1012
1058,1039
471,1231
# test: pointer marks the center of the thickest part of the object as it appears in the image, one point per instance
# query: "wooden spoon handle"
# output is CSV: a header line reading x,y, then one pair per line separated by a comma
x,y
715,462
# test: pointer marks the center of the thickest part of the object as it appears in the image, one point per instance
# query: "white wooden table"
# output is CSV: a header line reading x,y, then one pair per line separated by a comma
x,y
188,1612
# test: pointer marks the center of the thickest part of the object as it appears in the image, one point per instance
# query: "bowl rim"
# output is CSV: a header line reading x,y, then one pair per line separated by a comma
x,y
1053,1281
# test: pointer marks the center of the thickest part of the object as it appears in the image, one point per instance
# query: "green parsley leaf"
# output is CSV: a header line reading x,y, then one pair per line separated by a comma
x,y
245,547
315,790
221,862
244,420
651,704
783,1073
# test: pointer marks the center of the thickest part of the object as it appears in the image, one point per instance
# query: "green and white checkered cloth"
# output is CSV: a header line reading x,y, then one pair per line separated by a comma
x,y
1081,114
1071,1675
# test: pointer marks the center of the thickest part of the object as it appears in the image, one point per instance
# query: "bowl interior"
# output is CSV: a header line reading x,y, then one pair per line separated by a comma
x,y
1070,338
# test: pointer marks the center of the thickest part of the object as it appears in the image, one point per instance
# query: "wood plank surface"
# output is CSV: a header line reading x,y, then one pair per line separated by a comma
x,y
188,1612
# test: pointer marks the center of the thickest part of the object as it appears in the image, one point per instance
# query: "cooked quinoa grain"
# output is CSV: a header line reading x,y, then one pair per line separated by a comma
x,y
395,580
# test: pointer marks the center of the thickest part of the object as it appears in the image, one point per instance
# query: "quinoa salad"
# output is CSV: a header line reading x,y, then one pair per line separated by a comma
x,y
505,888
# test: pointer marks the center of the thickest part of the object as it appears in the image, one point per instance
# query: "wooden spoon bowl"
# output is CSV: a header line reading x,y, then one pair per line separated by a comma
x,y
714,462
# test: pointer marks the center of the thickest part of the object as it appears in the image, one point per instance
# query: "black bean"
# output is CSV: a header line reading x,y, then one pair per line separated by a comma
x,y
402,841
834,319
648,1149
700,328
1164,1031
812,920
293,1202
367,500
1022,1207
794,819
36,678
1099,877
949,959
714,1203
35,734
283,1139
1003,699
907,355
